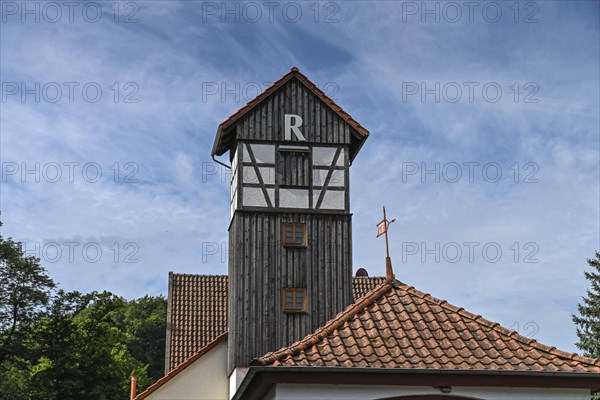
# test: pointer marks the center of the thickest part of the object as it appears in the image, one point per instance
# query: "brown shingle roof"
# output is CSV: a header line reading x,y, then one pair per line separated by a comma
x,y
397,326
197,312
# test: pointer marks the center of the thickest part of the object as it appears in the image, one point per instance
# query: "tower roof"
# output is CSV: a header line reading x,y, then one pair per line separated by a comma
x,y
225,136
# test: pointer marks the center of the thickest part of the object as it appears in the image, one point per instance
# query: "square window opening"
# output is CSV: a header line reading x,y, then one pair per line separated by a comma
x,y
294,234
294,300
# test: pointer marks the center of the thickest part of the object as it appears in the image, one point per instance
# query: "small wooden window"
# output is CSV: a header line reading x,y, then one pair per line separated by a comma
x,y
294,234
294,299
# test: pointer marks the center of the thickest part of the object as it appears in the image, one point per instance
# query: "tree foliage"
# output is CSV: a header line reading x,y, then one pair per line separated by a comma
x,y
588,320
82,351
24,292
145,321
58,345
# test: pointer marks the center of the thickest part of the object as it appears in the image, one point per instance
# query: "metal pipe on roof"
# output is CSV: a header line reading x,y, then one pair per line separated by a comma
x,y
133,392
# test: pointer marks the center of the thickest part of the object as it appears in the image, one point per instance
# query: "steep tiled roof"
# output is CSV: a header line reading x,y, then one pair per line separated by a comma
x,y
197,312
361,285
397,326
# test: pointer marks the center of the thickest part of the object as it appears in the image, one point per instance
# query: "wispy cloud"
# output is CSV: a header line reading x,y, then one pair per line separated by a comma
x,y
160,202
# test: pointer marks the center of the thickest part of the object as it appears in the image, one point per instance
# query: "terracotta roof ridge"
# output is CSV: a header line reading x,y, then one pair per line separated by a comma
x,y
261,96
329,327
505,331
183,365
369,277
362,130
199,275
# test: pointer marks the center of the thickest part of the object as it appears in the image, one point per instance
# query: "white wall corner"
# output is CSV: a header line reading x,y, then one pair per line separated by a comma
x,y
235,380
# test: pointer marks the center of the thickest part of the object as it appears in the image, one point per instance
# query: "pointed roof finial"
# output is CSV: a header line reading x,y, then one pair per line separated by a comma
x,y
382,229
295,69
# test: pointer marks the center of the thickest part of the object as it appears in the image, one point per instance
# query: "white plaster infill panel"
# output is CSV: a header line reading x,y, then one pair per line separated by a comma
x,y
316,194
336,180
233,205
340,160
319,176
271,194
234,163
233,187
249,175
334,200
254,197
263,153
267,174
323,155
293,198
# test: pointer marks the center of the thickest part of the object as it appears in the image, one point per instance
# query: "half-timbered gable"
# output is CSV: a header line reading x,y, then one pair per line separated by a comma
x,y
290,148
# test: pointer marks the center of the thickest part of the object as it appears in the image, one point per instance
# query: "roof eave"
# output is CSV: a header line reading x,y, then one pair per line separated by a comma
x,y
259,379
362,140
216,143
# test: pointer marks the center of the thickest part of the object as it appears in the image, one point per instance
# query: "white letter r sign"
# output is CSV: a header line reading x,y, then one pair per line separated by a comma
x,y
294,126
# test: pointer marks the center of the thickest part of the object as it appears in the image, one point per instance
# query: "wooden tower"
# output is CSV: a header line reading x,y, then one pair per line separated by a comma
x,y
290,237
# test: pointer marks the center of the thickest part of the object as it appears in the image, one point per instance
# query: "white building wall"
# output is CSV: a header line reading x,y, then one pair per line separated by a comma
x,y
358,392
235,380
205,379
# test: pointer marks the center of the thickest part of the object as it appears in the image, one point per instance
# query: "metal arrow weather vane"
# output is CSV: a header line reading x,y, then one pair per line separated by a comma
x,y
382,229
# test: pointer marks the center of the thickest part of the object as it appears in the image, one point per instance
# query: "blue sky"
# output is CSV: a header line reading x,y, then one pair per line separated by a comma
x,y
475,92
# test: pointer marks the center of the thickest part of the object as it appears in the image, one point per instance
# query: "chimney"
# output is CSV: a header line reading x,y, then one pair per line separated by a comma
x,y
133,388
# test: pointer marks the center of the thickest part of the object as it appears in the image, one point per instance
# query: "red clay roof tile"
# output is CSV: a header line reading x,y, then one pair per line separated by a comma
x,y
197,314
421,332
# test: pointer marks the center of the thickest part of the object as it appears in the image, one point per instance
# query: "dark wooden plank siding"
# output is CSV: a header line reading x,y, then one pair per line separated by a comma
x,y
292,168
259,267
320,123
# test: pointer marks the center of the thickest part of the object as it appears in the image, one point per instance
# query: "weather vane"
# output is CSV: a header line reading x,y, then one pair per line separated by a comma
x,y
382,229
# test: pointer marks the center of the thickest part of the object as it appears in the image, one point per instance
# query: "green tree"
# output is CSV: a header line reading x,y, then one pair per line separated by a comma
x,y
83,352
14,380
145,321
588,320
25,289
